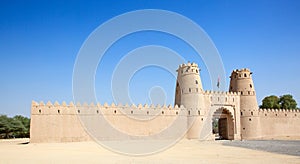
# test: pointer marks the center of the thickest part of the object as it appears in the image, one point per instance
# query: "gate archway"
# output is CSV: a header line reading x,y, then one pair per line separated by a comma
x,y
223,124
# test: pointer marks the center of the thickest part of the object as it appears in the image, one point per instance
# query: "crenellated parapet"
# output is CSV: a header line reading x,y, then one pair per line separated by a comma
x,y
105,109
280,113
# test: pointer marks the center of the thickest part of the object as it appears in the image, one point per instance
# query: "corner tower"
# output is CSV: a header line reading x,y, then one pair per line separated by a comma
x,y
241,81
189,94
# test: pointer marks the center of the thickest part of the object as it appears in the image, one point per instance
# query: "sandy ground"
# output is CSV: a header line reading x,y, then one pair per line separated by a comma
x,y
185,151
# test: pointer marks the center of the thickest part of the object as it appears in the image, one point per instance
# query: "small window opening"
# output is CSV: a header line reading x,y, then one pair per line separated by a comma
x,y
58,111
131,112
196,82
285,114
190,90
97,111
147,112
241,113
250,119
265,114
176,113
162,112
251,113
40,111
189,112
250,85
198,112
196,71
275,114
245,75
115,111
78,111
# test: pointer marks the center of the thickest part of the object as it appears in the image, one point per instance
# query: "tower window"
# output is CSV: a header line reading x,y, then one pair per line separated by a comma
x,y
162,112
78,111
241,113
192,70
245,75
196,70
249,119
196,82
190,90
242,93
250,85
189,112
198,112
249,92
58,111
40,111
240,75
251,113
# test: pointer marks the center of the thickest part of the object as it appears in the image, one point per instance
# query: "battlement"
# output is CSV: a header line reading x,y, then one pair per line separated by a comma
x,y
105,109
279,112
221,93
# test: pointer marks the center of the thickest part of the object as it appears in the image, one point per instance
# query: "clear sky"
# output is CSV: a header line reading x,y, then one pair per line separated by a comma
x,y
39,42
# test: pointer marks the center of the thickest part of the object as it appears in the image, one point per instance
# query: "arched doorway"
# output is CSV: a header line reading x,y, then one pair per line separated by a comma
x,y
223,124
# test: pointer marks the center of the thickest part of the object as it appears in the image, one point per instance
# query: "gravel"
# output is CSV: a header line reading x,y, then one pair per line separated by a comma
x,y
274,146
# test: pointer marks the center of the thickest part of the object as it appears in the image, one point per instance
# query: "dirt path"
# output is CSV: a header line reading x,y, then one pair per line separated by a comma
x,y
185,151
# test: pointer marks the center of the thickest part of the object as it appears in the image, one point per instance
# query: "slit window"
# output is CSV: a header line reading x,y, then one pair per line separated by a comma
x,y
190,90
196,82
58,111
251,113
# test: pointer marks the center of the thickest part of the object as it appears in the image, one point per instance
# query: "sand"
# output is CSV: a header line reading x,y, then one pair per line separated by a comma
x,y
185,151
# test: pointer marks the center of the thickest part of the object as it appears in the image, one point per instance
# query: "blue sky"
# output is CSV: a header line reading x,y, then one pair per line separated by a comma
x,y
39,42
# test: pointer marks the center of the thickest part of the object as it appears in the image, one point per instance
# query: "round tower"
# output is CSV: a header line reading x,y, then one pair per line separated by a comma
x,y
241,81
188,94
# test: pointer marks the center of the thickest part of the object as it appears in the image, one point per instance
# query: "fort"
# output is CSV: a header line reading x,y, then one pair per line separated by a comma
x,y
237,112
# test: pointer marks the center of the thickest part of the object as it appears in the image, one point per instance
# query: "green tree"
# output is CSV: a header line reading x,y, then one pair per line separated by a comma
x,y
5,127
271,102
287,102
15,127
26,123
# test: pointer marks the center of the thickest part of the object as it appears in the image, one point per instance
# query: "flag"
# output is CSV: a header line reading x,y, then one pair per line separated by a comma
x,y
218,83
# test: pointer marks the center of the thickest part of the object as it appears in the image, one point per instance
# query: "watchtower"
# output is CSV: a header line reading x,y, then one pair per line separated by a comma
x,y
189,94
241,81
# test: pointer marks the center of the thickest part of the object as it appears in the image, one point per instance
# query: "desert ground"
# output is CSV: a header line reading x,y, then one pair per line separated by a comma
x,y
185,151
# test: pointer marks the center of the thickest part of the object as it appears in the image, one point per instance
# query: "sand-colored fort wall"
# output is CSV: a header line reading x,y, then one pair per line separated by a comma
x,y
67,123
279,123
